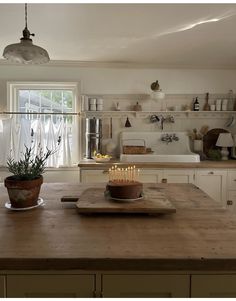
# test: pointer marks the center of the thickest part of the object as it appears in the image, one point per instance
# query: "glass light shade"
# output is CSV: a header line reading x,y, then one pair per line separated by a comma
x,y
26,52
225,140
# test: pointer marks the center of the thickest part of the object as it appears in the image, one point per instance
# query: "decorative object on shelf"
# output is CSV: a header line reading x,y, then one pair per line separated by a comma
x,y
206,106
99,104
137,107
231,101
117,106
127,123
196,105
197,138
218,104
26,52
110,144
224,106
225,140
24,186
157,92
230,122
209,140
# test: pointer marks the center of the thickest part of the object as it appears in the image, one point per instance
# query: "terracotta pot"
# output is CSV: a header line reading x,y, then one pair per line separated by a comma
x,y
23,193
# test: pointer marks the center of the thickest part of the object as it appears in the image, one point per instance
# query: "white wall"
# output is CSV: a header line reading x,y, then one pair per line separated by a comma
x,y
123,81
130,81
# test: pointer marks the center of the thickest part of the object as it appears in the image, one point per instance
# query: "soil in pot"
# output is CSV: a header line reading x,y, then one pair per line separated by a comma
x,y
23,193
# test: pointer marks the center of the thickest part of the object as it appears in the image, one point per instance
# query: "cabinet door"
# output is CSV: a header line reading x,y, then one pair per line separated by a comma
x,y
213,286
213,182
138,286
151,176
231,180
2,286
50,286
178,175
61,176
94,176
231,201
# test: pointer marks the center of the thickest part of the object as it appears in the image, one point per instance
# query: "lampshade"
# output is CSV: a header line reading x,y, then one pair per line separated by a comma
x,y
26,52
157,92
225,140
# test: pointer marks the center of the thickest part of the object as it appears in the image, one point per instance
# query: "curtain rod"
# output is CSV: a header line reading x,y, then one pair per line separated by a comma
x,y
39,113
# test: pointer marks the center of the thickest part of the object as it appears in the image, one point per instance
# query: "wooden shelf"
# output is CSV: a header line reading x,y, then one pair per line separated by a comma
x,y
146,114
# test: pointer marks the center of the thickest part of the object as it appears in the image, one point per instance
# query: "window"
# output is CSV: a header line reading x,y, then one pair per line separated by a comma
x,y
44,115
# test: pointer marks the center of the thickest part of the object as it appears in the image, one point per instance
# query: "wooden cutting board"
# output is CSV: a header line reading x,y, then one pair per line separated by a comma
x,y
93,200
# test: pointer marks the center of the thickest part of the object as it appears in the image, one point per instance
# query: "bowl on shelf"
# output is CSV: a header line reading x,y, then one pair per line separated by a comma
x,y
102,159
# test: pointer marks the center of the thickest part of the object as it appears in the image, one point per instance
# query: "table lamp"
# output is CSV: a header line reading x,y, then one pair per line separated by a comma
x,y
225,140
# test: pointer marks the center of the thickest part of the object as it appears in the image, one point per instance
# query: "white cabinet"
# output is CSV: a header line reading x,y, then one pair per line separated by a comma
x,y
213,286
231,190
145,286
50,286
178,175
213,182
2,287
94,176
146,175
61,175
151,175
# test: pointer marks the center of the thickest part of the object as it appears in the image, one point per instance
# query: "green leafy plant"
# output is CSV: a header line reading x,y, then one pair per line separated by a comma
x,y
29,167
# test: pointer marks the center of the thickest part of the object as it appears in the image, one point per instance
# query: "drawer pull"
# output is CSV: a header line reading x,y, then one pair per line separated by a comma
x,y
230,202
105,171
234,180
211,173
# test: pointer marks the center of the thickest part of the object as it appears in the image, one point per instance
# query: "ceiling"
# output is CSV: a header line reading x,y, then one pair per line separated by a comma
x,y
153,35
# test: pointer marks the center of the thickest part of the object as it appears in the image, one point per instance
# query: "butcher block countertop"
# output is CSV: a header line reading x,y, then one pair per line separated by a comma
x,y
87,164
199,236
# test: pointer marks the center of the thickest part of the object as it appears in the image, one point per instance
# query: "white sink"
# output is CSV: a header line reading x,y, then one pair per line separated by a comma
x,y
175,151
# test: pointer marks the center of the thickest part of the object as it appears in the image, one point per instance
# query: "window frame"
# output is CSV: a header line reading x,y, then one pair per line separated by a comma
x,y
13,88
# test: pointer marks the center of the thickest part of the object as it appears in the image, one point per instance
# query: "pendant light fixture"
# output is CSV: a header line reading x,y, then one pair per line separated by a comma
x,y
26,52
157,92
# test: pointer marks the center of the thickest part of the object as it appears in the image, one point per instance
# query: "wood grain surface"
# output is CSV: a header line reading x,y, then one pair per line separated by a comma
x,y
199,236
93,200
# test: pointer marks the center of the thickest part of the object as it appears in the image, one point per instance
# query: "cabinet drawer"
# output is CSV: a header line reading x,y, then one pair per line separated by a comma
x,y
231,179
138,286
50,286
2,286
213,286
94,176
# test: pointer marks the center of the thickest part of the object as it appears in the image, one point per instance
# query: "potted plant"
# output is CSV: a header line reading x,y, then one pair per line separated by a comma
x,y
24,186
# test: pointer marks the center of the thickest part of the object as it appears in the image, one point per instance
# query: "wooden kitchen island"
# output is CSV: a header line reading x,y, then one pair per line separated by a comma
x,y
53,251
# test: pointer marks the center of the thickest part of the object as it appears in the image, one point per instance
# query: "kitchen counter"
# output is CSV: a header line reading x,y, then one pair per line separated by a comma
x,y
203,164
199,236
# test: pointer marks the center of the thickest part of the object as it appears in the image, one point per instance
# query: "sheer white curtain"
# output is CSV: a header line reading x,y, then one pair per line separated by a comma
x,y
17,132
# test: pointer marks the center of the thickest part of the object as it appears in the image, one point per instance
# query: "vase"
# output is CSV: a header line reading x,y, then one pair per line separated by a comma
x,y
197,145
23,193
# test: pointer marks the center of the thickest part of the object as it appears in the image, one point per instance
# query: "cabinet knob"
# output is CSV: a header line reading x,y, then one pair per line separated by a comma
x,y
230,202
105,171
164,181
211,173
234,180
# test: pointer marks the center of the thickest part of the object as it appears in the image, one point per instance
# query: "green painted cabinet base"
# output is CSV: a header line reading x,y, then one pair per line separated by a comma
x,y
2,287
213,286
50,286
149,286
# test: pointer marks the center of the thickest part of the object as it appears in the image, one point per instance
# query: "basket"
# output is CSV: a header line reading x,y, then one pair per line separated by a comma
x,y
134,149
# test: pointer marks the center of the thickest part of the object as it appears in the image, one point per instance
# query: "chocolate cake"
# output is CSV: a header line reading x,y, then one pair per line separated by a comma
x,y
129,190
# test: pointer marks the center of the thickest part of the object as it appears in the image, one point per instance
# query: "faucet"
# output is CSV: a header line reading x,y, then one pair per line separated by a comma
x,y
169,138
162,119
